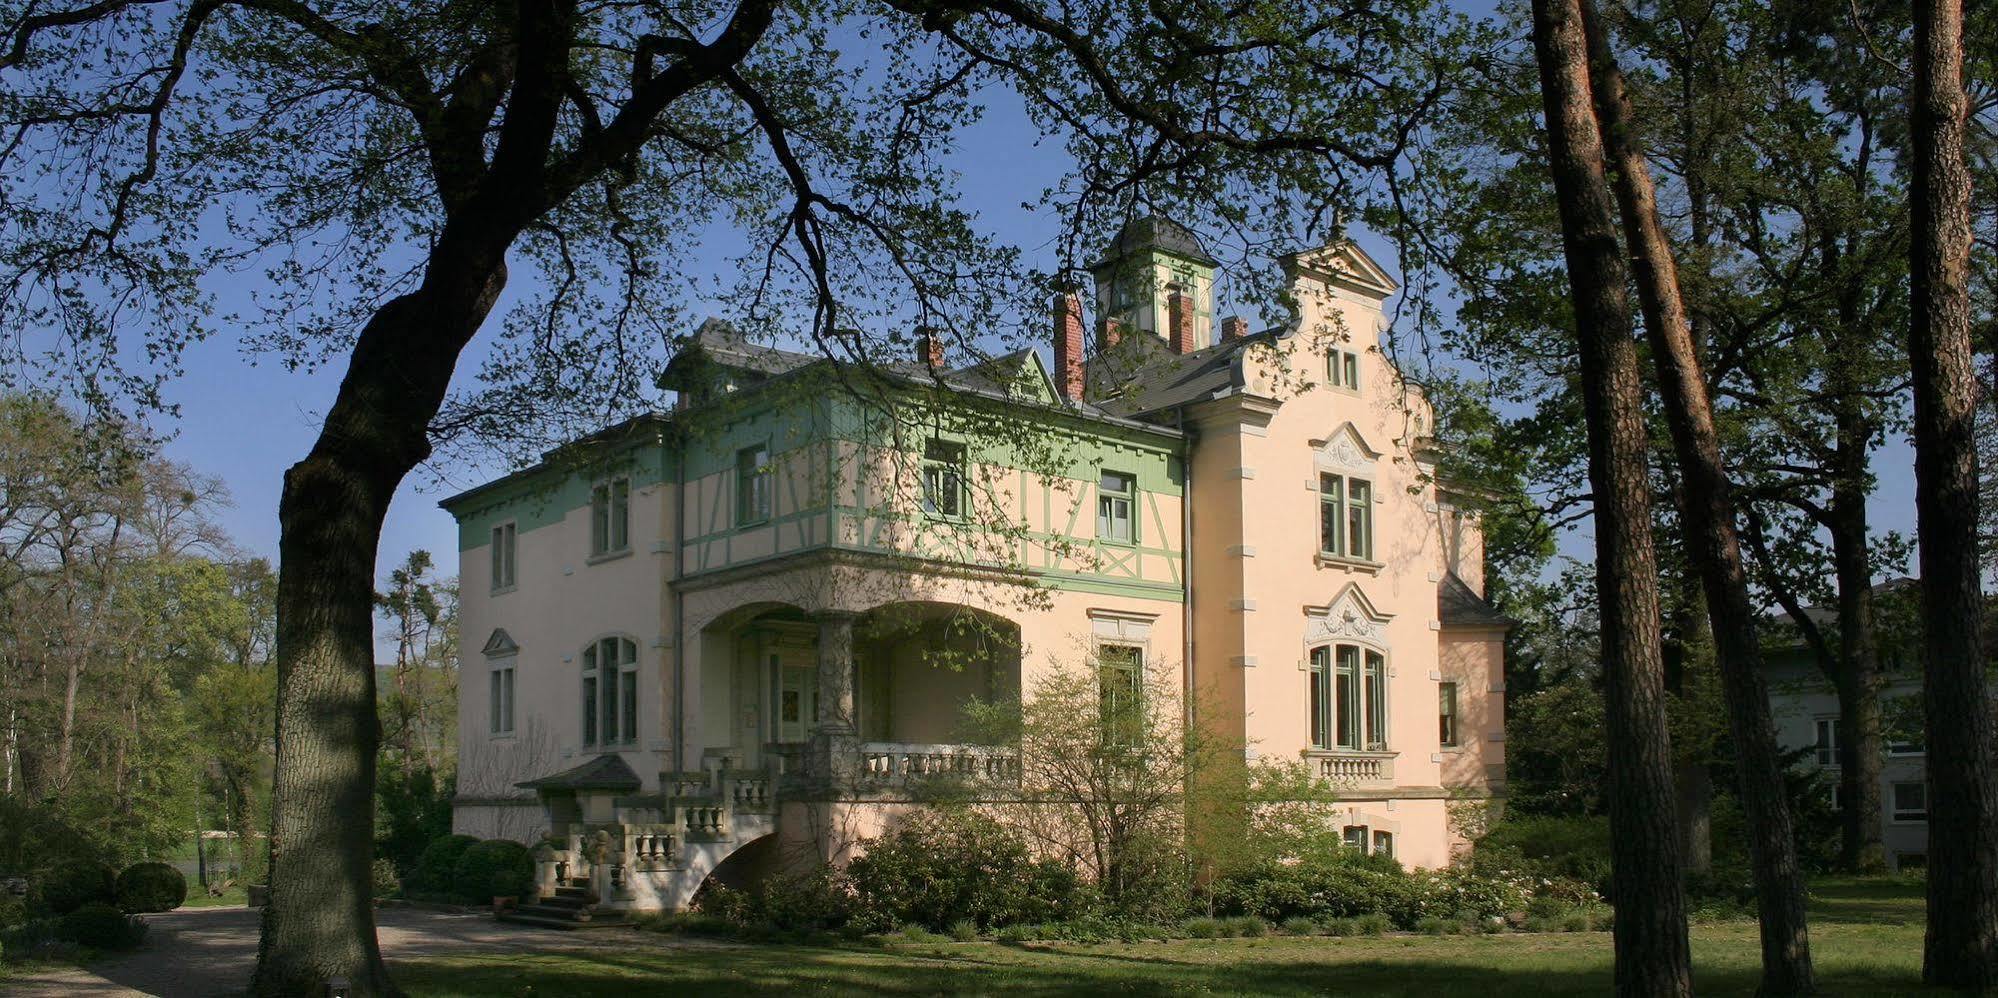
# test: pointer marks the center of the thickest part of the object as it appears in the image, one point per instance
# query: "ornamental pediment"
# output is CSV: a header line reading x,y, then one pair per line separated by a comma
x,y
1345,449
1350,614
500,644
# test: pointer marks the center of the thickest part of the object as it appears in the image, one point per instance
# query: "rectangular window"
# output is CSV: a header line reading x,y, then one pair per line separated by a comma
x,y
1345,517
1346,686
1827,741
943,478
752,485
1355,837
1321,696
501,695
1384,844
1342,369
1446,714
1901,725
610,517
590,705
1911,802
503,556
1113,507
1120,669
610,691
1376,684
628,695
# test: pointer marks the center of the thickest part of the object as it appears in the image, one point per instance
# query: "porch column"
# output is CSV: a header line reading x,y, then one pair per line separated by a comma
x,y
835,742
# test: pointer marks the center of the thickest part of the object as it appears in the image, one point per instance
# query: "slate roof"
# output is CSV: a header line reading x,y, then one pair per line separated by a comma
x,y
1141,375
605,772
718,342
1458,605
1157,233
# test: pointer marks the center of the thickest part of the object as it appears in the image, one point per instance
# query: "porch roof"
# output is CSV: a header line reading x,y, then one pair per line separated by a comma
x,y
605,772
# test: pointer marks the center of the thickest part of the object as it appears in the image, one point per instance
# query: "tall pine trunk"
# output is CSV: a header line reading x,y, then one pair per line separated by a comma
x,y
1652,957
1712,545
319,924
1962,945
1857,673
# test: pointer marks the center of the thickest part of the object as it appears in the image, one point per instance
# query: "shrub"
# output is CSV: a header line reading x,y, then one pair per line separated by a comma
x,y
1375,924
101,926
436,867
1577,921
1435,926
490,869
34,939
385,881
964,930
1280,891
1300,926
1202,928
940,866
1464,893
151,887
69,886
1247,927
13,910
1547,847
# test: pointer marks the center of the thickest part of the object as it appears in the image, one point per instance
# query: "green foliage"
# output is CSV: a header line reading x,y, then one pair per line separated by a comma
x,y
102,926
437,865
1547,847
493,868
146,887
385,881
945,865
69,885
412,810
37,835
1555,759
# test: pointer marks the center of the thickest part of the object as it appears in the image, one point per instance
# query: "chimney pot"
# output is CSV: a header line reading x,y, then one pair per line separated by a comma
x,y
1234,327
1179,316
929,348
1068,345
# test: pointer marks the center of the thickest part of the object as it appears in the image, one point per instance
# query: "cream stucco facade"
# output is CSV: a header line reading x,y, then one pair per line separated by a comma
x,y
746,627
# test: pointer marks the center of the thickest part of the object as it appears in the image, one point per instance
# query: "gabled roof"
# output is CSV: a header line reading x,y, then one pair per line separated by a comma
x,y
1141,374
1458,605
1153,232
605,772
1344,263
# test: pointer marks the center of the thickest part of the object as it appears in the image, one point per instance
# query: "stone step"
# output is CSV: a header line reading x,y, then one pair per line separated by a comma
x,y
566,903
540,918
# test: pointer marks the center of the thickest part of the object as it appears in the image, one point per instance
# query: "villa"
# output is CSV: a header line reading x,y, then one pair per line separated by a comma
x,y
707,639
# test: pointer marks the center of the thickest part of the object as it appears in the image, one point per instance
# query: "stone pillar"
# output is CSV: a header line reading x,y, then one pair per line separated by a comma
x,y
835,740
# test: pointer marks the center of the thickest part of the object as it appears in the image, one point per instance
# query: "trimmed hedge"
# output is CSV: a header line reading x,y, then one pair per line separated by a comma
x,y
68,886
100,926
436,868
490,869
151,887
939,868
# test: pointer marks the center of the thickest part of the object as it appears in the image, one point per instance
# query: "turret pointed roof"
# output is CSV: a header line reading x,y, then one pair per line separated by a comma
x,y
1154,232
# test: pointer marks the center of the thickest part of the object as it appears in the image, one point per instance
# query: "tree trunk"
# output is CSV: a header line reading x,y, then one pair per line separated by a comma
x,y
1962,945
1712,545
1652,956
1857,677
319,924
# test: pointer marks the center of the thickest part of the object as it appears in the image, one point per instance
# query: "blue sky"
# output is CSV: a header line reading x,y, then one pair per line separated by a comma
x,y
246,418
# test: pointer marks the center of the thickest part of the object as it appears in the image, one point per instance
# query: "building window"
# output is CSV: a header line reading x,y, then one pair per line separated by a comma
x,y
1384,844
500,681
503,554
752,485
1113,507
943,479
1345,517
1348,698
1355,837
1342,369
1911,802
1901,725
1827,741
610,692
610,517
1120,671
1446,714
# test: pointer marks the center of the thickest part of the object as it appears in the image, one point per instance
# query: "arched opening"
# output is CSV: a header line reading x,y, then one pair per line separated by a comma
x,y
920,664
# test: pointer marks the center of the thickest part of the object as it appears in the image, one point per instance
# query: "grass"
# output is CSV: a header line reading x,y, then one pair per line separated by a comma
x,y
197,897
1866,936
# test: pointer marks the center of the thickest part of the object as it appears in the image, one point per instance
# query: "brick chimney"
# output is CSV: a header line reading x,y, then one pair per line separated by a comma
x,y
929,348
1179,320
1068,345
1234,327
1110,332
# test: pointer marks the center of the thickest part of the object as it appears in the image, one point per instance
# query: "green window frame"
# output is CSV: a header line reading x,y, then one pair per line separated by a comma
x,y
1345,517
1348,698
943,479
610,516
752,484
610,692
1446,715
1116,496
1342,369
1120,674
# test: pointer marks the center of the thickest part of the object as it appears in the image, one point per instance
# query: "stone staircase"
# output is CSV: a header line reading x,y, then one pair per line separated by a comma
x,y
569,907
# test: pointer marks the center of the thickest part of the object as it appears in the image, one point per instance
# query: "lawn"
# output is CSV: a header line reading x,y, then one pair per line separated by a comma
x,y
1866,936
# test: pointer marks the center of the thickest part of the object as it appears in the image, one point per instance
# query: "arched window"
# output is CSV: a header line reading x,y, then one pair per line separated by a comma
x,y
1348,698
610,692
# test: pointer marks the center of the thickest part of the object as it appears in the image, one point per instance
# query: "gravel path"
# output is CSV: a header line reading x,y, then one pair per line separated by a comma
x,y
204,952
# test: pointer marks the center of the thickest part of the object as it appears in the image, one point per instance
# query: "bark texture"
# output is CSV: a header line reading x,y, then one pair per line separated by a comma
x,y
1961,949
1652,957
1712,545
